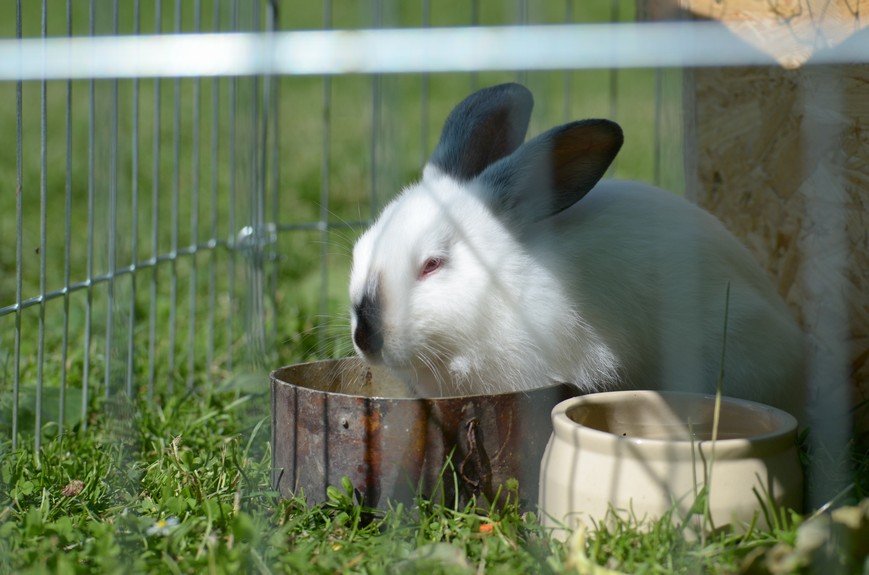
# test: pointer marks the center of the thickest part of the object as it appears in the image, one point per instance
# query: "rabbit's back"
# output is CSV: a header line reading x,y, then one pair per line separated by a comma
x,y
649,272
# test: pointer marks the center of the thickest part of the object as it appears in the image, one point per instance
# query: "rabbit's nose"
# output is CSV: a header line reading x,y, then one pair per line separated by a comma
x,y
368,335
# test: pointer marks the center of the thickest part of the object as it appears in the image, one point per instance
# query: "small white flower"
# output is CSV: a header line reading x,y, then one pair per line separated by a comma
x,y
163,527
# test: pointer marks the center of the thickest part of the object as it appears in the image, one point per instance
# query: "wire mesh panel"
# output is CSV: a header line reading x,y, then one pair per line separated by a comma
x,y
133,220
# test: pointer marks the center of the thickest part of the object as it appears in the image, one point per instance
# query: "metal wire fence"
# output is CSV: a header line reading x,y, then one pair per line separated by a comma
x,y
137,214
147,207
179,198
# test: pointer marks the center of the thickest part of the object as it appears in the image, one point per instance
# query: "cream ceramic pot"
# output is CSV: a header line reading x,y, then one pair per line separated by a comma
x,y
649,452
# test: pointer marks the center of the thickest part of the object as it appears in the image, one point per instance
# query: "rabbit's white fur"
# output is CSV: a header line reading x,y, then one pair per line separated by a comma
x,y
496,319
625,288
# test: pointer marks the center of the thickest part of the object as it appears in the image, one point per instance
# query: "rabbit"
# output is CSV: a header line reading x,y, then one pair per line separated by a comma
x,y
510,266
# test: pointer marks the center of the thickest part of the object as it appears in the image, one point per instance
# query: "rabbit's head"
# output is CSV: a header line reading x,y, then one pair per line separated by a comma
x,y
451,287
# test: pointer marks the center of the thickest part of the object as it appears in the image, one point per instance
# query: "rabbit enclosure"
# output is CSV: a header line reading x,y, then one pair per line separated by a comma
x,y
178,223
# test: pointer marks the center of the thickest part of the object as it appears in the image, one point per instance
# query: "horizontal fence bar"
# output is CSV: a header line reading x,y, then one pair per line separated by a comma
x,y
191,250
538,47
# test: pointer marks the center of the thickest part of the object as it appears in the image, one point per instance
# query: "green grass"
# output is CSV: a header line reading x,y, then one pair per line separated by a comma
x,y
181,485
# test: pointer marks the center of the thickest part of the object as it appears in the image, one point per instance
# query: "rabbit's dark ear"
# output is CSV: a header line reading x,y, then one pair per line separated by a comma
x,y
483,128
553,171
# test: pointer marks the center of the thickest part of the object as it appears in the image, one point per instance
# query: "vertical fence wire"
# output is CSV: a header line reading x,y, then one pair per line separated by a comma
x,y
215,174
522,17
275,123
112,224
265,22
615,16
376,105
325,183
155,216
475,21
67,235
656,130
175,226
233,108
424,107
43,208
252,247
90,233
194,210
19,231
134,224
257,216
567,76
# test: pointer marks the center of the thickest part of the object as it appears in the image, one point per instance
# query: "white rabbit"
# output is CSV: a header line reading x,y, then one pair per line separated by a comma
x,y
508,266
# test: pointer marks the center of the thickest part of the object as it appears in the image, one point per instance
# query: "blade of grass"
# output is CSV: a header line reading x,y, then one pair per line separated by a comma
x,y
716,414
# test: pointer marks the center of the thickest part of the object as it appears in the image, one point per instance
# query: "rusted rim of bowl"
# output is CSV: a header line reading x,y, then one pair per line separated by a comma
x,y
781,436
278,376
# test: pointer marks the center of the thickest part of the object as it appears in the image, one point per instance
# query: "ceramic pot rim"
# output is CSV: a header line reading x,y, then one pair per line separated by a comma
x,y
781,437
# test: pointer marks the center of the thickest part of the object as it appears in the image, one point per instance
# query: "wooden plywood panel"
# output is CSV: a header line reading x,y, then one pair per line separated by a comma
x,y
781,155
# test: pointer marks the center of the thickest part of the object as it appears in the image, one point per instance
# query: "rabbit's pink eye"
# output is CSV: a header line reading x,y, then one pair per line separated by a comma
x,y
430,266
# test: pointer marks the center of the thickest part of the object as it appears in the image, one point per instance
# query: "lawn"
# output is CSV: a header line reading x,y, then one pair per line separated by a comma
x,y
181,485
148,394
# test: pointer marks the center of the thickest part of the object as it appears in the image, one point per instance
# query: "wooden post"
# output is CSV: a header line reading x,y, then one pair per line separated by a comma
x,y
780,154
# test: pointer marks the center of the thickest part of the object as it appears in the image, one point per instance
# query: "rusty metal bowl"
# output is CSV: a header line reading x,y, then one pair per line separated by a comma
x,y
342,418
